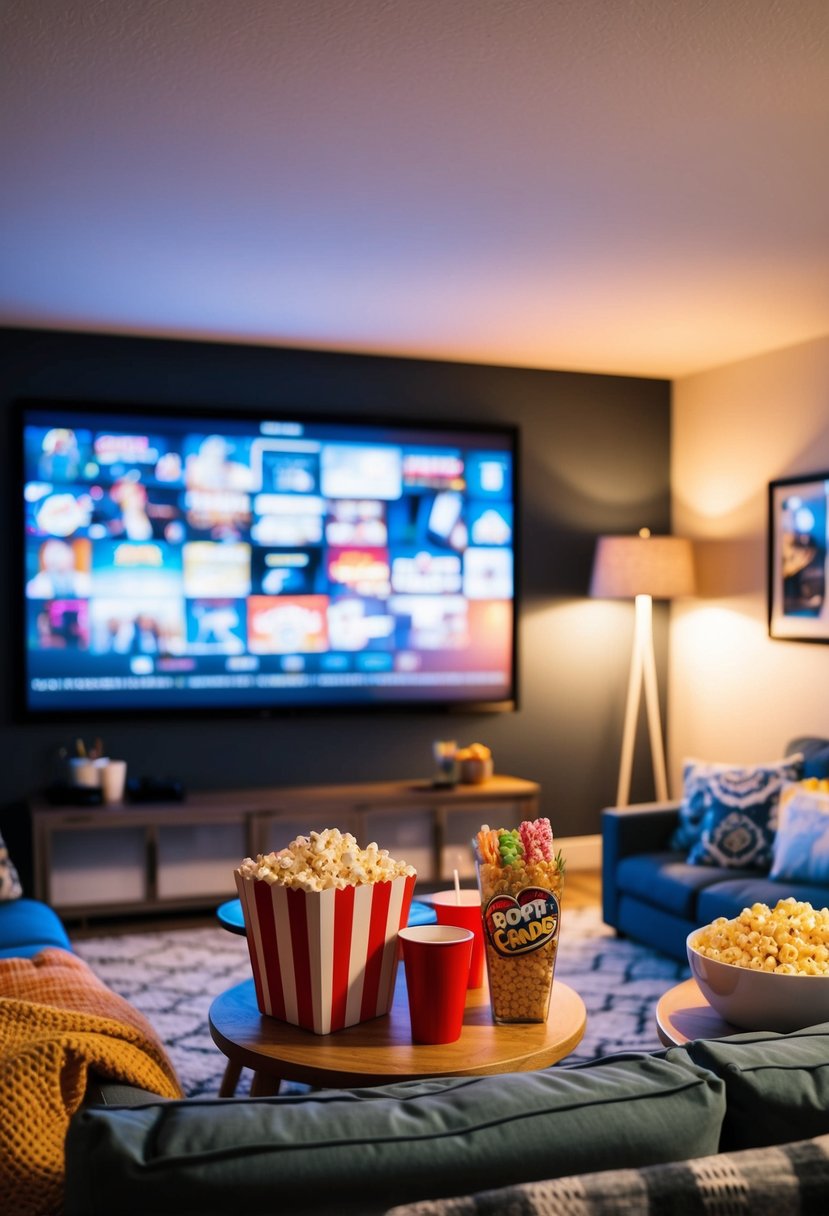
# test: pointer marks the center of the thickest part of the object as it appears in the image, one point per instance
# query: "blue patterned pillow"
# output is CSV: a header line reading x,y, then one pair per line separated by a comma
x,y
801,846
735,839
714,790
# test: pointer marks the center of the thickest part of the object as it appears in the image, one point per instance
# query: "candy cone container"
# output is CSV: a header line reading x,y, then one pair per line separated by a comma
x,y
521,907
324,960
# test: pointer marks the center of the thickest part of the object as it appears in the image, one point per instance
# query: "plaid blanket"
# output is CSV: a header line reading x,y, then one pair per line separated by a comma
x,y
57,1021
784,1180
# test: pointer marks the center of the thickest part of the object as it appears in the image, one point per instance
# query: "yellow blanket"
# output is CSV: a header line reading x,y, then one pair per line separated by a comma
x,y
57,1021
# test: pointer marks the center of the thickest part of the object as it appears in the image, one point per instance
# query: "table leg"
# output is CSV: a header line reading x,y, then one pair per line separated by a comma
x,y
230,1080
264,1085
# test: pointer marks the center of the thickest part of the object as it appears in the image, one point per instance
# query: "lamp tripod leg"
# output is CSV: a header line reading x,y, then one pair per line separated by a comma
x,y
642,670
631,716
660,780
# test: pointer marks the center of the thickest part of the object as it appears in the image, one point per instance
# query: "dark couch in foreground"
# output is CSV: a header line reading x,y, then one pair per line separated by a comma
x,y
651,894
365,1151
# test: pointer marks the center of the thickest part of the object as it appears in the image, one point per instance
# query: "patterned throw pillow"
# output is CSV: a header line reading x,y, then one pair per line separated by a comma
x,y
713,791
10,887
812,785
801,846
735,839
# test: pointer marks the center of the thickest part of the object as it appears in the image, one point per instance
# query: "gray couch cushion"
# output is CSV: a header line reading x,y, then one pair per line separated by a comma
x,y
667,881
777,1086
103,1091
756,1182
365,1150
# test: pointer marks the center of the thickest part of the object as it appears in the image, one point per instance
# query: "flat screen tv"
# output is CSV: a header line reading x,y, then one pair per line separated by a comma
x,y
186,561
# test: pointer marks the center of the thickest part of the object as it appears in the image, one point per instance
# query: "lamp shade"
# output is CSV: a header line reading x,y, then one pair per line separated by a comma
x,y
627,566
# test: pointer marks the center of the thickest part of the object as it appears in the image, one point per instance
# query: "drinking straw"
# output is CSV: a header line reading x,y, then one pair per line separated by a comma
x,y
457,887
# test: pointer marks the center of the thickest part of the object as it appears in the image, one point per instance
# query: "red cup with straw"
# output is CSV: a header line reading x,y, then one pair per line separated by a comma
x,y
462,908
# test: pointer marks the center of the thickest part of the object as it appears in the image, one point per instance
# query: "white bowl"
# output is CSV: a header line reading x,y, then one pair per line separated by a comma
x,y
759,1000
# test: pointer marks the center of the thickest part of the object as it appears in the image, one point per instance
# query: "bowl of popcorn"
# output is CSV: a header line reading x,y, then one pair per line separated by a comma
x,y
768,968
321,921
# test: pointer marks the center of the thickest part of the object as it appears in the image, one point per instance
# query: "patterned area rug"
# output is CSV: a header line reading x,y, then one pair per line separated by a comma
x,y
172,976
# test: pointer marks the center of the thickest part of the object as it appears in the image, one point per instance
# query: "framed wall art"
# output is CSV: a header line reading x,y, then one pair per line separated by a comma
x,y
797,583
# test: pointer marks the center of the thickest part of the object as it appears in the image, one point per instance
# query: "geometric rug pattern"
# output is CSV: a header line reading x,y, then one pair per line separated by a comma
x,y
172,976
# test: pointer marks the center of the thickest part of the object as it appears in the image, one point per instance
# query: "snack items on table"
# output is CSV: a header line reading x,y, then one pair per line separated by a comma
x,y
321,919
521,881
323,860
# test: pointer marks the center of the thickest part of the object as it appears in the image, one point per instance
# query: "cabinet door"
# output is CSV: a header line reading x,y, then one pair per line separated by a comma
x,y
199,859
106,866
408,837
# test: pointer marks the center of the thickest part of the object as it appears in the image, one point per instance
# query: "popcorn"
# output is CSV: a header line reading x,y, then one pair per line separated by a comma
x,y
325,860
791,938
321,921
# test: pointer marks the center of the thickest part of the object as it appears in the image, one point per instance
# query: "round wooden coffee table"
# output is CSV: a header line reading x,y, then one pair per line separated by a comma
x,y
381,1051
683,1014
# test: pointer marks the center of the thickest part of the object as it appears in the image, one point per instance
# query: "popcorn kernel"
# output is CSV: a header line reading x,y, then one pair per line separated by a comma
x,y
790,939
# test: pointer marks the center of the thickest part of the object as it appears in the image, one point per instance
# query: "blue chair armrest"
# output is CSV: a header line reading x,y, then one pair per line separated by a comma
x,y
644,828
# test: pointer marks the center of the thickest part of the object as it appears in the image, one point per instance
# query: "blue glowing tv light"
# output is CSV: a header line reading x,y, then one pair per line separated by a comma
x,y
179,560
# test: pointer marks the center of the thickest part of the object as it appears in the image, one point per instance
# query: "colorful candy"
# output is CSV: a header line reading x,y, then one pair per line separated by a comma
x,y
531,842
537,839
510,847
487,846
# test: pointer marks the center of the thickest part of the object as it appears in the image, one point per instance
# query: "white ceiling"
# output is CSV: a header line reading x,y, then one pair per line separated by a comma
x,y
636,186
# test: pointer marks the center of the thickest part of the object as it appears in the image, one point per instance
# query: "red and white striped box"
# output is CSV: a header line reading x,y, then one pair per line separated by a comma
x,y
324,960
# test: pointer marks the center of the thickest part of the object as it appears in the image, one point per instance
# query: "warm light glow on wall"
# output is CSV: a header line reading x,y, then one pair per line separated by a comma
x,y
716,498
717,637
735,695
722,670
736,428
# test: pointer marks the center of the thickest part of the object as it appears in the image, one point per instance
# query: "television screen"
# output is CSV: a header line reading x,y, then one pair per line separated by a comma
x,y
183,561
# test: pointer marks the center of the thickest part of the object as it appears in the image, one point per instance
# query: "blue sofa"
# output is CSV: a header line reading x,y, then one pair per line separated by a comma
x,y
28,926
651,894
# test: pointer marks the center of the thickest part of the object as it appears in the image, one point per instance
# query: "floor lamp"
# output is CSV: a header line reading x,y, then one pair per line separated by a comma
x,y
643,568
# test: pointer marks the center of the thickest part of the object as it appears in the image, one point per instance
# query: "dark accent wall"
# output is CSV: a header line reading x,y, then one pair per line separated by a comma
x,y
595,458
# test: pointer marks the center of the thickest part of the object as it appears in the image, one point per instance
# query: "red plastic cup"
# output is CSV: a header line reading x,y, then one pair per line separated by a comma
x,y
436,959
467,915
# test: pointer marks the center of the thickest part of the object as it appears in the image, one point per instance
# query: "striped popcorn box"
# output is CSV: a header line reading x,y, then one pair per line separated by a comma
x,y
328,959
